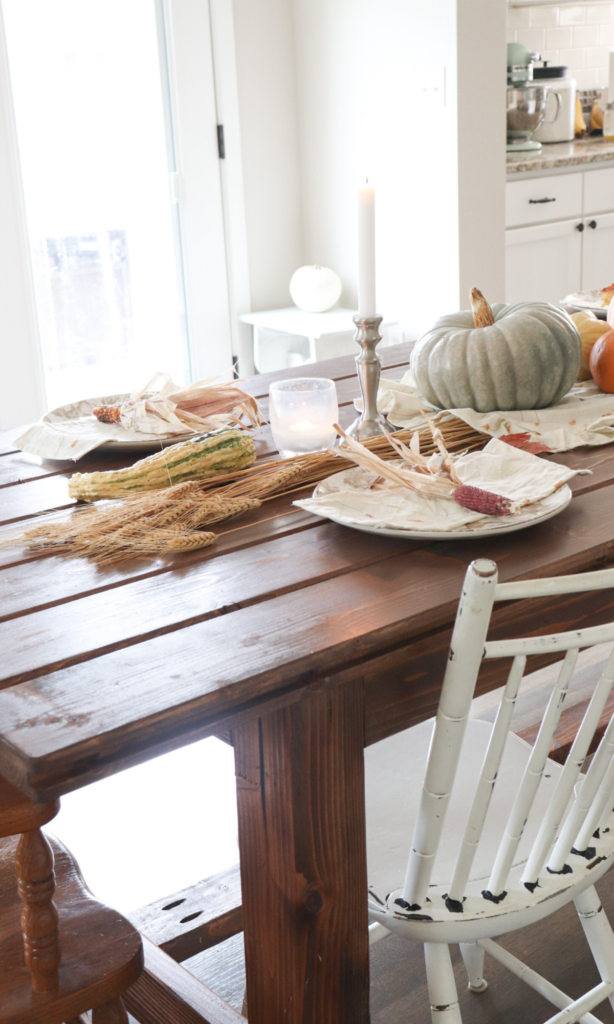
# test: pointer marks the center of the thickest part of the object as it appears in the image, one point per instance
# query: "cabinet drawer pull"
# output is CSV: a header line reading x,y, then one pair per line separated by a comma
x,y
580,226
536,201
592,224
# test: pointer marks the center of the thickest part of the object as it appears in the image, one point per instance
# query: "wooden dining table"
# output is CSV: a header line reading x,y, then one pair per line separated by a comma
x,y
298,640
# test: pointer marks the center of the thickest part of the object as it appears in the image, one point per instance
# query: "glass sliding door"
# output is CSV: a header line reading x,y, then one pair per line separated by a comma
x,y
95,145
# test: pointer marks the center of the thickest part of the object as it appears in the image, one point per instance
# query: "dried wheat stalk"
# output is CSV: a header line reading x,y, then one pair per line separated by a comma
x,y
153,524
316,466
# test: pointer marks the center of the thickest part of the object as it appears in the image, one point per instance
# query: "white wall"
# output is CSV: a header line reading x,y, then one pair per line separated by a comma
x,y
265,56
21,390
350,104
358,67
481,53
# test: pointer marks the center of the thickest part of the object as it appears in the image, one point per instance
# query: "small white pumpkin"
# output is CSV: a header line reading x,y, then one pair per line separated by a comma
x,y
523,356
315,289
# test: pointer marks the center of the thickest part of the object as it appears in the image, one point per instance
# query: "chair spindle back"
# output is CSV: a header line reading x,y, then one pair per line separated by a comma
x,y
594,797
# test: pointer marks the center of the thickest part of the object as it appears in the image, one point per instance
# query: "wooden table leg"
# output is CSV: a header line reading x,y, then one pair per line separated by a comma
x,y
300,792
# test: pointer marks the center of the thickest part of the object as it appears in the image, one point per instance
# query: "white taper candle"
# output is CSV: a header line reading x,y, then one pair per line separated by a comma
x,y
366,251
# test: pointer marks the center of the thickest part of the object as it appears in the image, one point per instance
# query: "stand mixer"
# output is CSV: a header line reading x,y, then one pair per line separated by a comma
x,y
526,101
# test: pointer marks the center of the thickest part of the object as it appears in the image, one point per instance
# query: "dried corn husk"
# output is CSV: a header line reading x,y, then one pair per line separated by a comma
x,y
168,409
416,472
435,477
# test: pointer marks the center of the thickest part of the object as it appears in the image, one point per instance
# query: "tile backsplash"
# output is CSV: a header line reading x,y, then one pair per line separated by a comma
x,y
579,35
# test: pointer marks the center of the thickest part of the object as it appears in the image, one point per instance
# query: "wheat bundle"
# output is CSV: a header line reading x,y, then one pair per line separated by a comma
x,y
153,524
172,519
316,466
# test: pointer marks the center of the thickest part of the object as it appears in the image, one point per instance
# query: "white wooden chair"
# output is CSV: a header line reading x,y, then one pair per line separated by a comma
x,y
499,836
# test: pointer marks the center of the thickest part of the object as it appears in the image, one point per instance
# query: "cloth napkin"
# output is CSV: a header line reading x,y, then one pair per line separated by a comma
x,y
584,417
346,497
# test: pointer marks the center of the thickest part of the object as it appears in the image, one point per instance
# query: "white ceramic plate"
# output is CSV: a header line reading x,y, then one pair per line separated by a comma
x,y
538,512
75,410
145,445
587,300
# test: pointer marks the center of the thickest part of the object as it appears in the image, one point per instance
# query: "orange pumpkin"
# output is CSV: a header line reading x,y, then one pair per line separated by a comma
x,y
602,362
589,329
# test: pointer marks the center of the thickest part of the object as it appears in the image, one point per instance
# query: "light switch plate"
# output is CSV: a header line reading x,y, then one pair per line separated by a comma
x,y
430,85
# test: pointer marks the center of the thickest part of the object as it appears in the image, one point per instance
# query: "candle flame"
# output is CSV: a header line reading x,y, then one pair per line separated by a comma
x,y
303,426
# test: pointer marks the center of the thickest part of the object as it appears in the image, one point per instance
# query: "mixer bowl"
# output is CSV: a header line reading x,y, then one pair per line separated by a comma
x,y
526,109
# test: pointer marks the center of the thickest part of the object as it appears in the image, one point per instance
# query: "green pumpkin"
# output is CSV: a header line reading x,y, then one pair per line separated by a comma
x,y
525,356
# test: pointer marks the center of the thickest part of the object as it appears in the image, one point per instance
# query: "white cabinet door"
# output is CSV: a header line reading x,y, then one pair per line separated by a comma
x,y
543,263
598,190
598,251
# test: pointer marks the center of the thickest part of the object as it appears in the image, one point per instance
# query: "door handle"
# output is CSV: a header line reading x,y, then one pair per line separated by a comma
x,y
592,224
536,201
580,226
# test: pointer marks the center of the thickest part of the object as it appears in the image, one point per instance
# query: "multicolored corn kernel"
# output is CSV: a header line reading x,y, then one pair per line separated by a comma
x,y
486,502
107,413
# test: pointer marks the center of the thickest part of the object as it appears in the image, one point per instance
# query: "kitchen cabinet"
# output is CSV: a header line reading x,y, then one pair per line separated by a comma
x,y
542,263
598,190
554,197
560,235
597,251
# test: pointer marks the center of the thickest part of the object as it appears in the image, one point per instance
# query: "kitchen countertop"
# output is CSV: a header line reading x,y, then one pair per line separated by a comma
x,y
559,155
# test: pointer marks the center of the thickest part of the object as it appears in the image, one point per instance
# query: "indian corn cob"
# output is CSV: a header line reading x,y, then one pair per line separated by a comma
x,y
479,500
205,456
107,413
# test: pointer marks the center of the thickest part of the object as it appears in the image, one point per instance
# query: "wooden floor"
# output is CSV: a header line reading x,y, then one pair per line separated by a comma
x,y
398,984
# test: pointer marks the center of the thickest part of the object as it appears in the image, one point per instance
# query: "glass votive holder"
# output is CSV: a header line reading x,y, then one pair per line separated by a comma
x,y
302,413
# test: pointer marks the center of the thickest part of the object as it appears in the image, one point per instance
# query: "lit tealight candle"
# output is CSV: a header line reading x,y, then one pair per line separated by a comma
x,y
302,428
303,412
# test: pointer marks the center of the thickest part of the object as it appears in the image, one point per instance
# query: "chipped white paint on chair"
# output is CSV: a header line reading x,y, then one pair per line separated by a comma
x,y
501,836
466,651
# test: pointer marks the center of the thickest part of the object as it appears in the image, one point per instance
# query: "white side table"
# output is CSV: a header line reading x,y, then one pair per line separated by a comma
x,y
325,335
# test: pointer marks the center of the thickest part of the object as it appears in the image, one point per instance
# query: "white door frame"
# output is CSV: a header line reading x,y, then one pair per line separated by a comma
x,y
231,176
22,397
199,190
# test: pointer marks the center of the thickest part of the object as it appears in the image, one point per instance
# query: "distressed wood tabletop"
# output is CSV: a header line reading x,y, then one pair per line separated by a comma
x,y
301,639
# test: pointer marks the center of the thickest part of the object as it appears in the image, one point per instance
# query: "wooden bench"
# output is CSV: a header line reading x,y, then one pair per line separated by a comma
x,y
174,929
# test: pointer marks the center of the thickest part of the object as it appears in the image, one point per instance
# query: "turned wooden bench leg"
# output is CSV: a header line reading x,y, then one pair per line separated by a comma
x,y
39,917
111,1013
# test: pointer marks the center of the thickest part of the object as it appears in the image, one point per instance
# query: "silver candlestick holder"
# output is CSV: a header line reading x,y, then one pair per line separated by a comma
x,y
370,423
